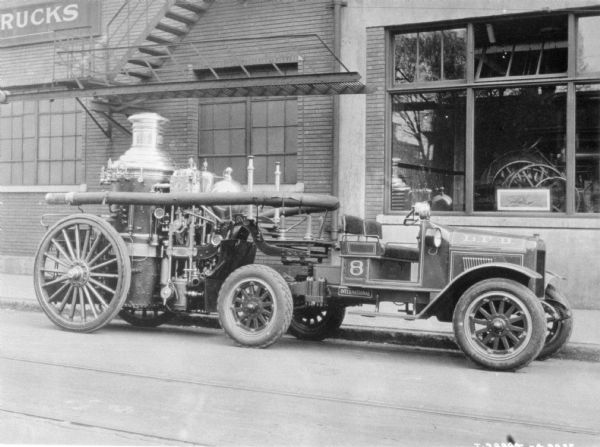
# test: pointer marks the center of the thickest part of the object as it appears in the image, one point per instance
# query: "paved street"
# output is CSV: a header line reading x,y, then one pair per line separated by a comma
x,y
178,386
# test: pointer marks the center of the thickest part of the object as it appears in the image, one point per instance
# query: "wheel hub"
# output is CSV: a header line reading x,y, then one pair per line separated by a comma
x,y
498,324
78,274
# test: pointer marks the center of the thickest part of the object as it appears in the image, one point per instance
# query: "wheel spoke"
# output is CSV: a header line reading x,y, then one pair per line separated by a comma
x,y
61,272
505,343
51,298
58,261
77,242
68,242
513,337
104,264
73,304
487,338
93,247
515,318
86,241
55,281
485,313
501,307
496,343
480,321
104,275
99,255
492,307
81,304
61,250
99,284
510,309
63,303
97,295
89,300
515,328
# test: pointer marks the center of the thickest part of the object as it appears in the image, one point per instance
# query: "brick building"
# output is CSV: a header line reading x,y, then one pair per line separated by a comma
x,y
465,103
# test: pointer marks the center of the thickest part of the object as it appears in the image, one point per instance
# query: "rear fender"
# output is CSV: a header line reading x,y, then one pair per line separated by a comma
x,y
444,303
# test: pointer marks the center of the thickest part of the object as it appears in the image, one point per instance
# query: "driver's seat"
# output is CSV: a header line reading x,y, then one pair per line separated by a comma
x,y
371,229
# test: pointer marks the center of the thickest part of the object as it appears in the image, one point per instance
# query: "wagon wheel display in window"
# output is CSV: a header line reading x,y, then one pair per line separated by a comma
x,y
541,176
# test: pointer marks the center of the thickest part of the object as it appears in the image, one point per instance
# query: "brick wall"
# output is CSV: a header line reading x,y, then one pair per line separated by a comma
x,y
375,126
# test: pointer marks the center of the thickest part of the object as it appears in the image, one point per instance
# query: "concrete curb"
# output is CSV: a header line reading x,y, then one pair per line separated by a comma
x,y
588,352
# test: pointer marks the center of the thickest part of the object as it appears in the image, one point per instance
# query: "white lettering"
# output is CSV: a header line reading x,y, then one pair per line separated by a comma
x,y
71,12
22,18
6,21
35,21
53,13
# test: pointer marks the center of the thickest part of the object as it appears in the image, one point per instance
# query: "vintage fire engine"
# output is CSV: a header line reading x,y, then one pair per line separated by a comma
x,y
184,242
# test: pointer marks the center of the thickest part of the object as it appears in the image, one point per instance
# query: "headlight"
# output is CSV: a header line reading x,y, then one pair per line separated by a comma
x,y
216,239
433,237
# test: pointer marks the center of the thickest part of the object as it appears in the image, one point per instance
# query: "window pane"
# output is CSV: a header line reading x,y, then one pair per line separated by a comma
x,y
44,125
5,150
29,173
17,127
441,56
55,173
56,129
259,114
206,143
221,116
43,173
259,141
68,173
291,112
29,148
275,140
238,142
520,146
16,175
4,173
405,57
521,47
276,113
291,140
222,142
238,115
5,127
206,116
290,168
70,124
428,150
588,57
455,53
587,167
430,52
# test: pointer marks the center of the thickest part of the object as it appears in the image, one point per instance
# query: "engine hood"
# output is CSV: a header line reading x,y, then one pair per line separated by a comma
x,y
476,239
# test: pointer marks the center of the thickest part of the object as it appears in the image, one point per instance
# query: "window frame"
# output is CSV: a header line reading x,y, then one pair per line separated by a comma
x,y
248,129
79,133
469,85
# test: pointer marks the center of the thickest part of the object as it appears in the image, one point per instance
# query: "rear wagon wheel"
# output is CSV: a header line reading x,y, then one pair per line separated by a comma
x,y
82,273
500,324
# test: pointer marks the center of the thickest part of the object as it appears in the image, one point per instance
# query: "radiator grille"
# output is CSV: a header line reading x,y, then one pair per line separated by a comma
x,y
362,248
473,261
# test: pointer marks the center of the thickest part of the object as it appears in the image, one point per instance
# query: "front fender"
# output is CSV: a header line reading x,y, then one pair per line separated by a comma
x,y
443,304
552,279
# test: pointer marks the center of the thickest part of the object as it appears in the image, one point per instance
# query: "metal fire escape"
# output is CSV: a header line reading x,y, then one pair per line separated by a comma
x,y
143,55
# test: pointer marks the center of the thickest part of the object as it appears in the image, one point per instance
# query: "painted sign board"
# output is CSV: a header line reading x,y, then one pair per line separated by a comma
x,y
36,23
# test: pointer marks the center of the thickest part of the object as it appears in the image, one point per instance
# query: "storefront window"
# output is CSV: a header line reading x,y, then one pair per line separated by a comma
x,y
520,149
430,56
587,155
40,143
527,47
588,57
428,150
266,129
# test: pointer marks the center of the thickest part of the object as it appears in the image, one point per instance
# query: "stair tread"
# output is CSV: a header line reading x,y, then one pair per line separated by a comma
x,y
160,40
152,50
181,18
145,62
171,29
191,6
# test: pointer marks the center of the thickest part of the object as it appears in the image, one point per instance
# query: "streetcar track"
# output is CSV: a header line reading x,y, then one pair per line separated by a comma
x,y
324,398
100,427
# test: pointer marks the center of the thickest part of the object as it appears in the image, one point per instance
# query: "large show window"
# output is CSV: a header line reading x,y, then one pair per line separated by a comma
x,y
265,128
587,155
518,133
428,150
520,148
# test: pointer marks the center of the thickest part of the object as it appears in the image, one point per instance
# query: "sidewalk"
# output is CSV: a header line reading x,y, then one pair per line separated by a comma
x,y
16,292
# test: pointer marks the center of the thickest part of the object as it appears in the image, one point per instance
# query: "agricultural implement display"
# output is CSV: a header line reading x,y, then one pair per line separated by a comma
x,y
181,242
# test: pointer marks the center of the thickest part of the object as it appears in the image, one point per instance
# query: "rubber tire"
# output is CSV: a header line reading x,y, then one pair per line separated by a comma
x,y
530,303
124,280
325,328
283,305
153,321
555,341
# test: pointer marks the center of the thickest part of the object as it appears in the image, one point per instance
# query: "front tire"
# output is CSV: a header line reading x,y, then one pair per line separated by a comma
x,y
255,306
500,324
316,323
559,322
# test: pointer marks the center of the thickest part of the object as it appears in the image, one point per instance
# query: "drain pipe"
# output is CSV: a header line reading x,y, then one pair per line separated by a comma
x,y
337,49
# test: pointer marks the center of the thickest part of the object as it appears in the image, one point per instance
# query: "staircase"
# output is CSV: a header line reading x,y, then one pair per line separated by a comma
x,y
136,42
153,47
